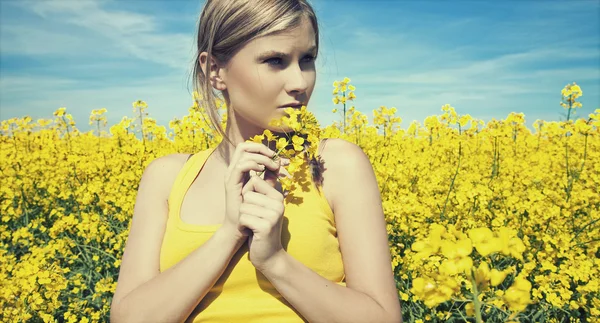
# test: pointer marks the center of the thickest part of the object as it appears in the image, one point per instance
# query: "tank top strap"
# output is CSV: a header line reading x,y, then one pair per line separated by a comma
x,y
186,176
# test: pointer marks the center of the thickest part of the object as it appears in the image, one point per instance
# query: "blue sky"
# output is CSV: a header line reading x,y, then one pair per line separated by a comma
x,y
485,58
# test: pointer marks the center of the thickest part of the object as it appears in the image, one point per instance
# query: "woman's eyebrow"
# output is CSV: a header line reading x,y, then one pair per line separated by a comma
x,y
277,53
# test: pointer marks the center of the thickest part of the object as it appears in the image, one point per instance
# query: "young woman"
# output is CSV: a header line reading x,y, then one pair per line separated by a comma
x,y
209,242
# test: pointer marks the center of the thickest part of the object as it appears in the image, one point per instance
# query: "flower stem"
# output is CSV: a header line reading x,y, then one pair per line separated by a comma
x,y
476,302
274,157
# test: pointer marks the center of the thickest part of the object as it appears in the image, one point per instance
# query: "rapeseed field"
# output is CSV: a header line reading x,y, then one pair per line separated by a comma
x,y
486,221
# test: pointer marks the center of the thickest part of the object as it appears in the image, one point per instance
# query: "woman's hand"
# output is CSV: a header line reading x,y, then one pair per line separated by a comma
x,y
262,212
248,156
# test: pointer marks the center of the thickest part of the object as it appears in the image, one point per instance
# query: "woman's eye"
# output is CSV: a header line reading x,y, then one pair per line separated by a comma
x,y
277,60
273,59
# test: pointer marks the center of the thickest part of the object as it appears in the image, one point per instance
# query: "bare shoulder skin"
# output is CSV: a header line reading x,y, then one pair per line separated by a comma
x,y
140,261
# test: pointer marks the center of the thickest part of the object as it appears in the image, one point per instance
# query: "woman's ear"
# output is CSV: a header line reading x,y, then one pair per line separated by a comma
x,y
215,72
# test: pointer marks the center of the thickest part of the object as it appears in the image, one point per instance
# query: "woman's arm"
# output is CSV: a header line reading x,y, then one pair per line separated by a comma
x,y
143,293
370,293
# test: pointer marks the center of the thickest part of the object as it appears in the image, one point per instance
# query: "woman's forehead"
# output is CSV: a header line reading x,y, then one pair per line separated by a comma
x,y
291,40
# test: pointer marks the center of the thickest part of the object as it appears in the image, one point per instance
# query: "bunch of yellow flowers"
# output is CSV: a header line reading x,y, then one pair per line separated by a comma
x,y
343,86
298,145
98,116
446,260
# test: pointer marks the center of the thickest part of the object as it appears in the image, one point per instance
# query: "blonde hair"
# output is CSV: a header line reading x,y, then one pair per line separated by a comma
x,y
225,26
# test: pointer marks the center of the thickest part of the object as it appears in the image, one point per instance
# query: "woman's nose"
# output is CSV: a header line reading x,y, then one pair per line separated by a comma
x,y
296,81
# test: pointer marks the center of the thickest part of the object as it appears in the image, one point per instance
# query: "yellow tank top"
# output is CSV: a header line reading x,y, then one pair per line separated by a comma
x,y
243,294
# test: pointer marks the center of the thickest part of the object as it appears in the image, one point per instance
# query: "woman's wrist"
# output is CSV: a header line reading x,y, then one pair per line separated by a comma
x,y
231,233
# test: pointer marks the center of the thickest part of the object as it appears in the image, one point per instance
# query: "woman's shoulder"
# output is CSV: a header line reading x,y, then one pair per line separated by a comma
x,y
177,160
164,170
340,158
339,150
172,161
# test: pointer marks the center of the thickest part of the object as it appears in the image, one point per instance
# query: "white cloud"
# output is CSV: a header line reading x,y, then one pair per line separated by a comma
x,y
133,34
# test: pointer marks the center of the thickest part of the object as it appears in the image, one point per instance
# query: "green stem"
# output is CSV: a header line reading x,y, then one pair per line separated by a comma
x,y
442,216
578,231
98,127
142,128
276,155
476,302
569,180
584,243
97,249
344,94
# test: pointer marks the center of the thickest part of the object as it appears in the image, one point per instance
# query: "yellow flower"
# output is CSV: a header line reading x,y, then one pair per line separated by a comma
x,y
497,277
482,275
517,296
139,104
509,244
269,135
60,112
298,143
574,305
436,290
426,248
470,309
464,119
458,257
275,123
281,144
257,139
484,241
404,296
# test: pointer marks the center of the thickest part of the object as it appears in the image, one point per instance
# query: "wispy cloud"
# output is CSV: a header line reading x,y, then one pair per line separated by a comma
x,y
129,33
485,65
102,57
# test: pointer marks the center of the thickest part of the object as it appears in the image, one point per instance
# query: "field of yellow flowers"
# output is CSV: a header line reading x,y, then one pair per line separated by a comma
x,y
486,222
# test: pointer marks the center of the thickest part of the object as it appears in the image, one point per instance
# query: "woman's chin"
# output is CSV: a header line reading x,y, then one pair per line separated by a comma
x,y
280,130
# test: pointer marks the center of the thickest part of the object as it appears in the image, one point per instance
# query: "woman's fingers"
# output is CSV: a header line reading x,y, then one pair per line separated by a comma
x,y
255,163
250,162
259,185
237,174
263,160
271,214
254,210
250,147
261,200
254,223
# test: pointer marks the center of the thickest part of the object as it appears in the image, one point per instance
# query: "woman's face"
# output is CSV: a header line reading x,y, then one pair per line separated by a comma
x,y
270,72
